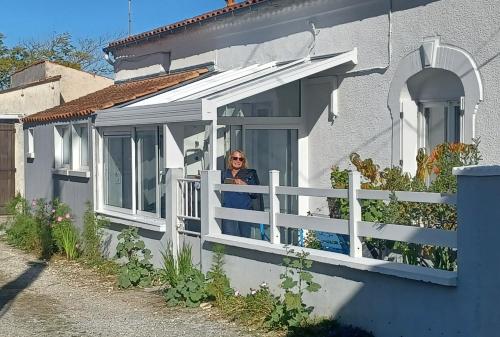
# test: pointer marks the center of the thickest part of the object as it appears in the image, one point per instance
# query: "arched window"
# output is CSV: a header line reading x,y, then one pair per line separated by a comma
x,y
433,99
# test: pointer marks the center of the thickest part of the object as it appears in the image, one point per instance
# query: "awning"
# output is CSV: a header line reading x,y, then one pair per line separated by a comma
x,y
198,101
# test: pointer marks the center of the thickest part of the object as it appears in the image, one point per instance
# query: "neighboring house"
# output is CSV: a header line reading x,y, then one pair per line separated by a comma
x,y
32,89
298,85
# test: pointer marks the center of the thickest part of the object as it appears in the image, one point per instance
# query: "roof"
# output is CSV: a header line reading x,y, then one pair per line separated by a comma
x,y
111,96
199,100
184,23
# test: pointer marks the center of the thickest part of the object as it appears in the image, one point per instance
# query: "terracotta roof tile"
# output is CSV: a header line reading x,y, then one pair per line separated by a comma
x,y
111,96
184,23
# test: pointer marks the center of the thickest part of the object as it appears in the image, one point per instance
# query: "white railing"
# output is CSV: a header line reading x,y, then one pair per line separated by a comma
x,y
355,227
188,198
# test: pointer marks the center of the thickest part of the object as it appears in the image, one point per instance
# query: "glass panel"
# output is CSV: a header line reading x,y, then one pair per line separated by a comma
x,y
436,126
275,150
118,171
283,101
66,145
455,137
84,146
146,171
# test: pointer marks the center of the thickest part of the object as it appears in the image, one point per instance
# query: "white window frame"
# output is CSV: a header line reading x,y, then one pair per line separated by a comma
x,y
423,131
74,167
140,218
59,146
30,154
77,147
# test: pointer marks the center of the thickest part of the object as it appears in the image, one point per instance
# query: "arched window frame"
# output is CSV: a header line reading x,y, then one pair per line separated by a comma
x,y
432,54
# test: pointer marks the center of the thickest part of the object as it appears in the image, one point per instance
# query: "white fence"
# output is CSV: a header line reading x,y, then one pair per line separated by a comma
x,y
355,227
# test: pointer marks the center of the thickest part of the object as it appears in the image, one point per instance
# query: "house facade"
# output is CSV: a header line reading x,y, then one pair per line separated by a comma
x,y
38,87
299,86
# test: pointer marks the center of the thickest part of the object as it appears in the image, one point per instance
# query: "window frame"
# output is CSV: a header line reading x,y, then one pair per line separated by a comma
x,y
447,105
30,154
74,164
133,213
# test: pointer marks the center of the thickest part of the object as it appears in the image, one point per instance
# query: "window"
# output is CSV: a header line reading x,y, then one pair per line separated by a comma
x,y
83,147
283,101
72,147
131,163
31,144
118,171
440,122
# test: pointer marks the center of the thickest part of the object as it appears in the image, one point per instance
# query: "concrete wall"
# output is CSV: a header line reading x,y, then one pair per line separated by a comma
x,y
283,32
393,306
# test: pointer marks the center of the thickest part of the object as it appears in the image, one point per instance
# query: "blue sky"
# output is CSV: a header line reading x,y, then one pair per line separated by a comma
x,y
22,20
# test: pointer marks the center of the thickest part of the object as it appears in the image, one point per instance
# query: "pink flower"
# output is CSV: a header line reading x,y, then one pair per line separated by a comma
x,y
33,203
59,218
236,293
68,216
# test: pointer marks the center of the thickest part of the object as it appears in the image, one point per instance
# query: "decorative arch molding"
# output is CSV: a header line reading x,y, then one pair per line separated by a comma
x,y
432,54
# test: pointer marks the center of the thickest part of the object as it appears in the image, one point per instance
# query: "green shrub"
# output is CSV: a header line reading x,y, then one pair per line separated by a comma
x,y
434,174
29,226
218,287
138,270
92,235
290,311
64,232
187,286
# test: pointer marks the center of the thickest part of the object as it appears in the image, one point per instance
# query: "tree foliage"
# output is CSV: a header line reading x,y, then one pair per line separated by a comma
x,y
83,54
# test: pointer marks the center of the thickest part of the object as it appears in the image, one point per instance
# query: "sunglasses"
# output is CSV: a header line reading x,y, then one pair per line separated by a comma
x,y
238,159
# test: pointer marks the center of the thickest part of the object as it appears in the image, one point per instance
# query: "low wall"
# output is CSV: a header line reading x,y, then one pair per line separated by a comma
x,y
395,306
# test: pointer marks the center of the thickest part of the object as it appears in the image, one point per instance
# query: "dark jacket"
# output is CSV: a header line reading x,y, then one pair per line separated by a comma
x,y
241,200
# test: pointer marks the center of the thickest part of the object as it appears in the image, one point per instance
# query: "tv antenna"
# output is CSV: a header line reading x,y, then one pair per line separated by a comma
x,y
129,17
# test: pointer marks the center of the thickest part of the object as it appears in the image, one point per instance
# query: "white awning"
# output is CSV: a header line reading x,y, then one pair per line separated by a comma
x,y
199,100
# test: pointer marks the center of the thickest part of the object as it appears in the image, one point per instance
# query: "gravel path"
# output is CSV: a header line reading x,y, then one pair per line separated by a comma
x,y
63,299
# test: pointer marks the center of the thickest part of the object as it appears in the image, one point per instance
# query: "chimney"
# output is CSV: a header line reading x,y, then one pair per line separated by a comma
x,y
229,3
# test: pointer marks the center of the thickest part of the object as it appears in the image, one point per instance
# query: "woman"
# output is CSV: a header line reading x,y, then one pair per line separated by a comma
x,y
238,173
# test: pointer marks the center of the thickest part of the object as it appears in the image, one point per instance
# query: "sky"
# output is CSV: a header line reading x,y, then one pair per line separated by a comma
x,y
27,20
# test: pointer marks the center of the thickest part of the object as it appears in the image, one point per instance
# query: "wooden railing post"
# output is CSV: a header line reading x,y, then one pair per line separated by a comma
x,y
354,214
274,207
209,200
171,204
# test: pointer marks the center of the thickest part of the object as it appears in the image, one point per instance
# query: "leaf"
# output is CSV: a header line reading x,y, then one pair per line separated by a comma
x,y
306,276
313,287
288,283
134,275
124,281
293,301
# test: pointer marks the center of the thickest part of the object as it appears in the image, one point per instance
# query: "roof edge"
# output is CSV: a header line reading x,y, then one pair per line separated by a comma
x,y
33,84
171,28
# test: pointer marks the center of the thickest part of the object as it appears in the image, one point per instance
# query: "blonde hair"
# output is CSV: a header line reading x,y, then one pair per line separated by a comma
x,y
230,159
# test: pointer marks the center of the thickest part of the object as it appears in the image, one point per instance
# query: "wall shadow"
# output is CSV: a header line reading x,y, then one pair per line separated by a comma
x,y
11,290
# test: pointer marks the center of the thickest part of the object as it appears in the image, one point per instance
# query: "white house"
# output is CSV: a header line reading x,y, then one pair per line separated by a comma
x,y
297,84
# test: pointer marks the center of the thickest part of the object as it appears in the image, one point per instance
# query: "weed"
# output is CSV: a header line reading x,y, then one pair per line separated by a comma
x,y
138,270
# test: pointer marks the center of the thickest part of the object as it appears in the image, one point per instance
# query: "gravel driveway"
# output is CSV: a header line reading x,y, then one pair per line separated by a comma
x,y
63,299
